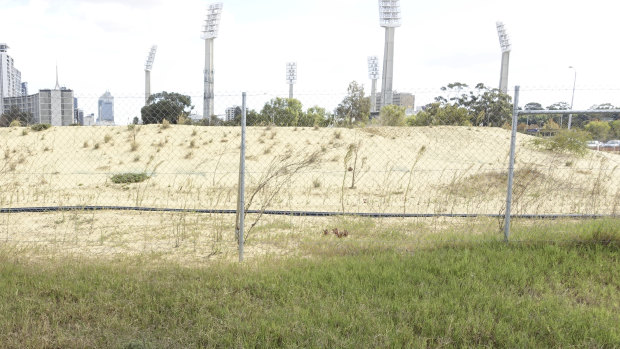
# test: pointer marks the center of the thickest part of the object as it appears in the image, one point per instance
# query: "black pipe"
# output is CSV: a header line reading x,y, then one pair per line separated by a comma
x,y
294,213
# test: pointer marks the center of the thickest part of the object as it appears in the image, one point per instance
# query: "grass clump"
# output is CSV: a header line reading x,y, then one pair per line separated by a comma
x,y
124,178
565,141
40,127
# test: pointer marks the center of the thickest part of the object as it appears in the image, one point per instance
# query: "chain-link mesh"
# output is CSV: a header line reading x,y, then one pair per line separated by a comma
x,y
438,163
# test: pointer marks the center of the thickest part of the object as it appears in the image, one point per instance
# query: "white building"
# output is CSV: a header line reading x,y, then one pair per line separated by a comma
x,y
230,113
10,78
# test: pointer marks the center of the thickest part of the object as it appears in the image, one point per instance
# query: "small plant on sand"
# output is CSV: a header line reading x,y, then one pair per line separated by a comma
x,y
165,124
107,138
15,123
40,127
123,178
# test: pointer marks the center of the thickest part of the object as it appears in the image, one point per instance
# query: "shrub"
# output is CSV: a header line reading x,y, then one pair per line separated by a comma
x,y
40,127
15,123
123,178
566,141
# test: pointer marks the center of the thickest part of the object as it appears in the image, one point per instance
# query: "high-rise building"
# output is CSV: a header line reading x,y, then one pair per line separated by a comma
x,y
105,115
10,78
231,113
54,107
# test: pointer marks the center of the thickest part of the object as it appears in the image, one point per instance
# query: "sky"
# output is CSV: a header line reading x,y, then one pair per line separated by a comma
x,y
101,45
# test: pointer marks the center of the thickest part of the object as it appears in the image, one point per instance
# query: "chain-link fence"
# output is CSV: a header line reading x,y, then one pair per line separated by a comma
x,y
171,186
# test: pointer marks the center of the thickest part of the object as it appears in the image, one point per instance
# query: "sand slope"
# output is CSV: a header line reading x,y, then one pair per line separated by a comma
x,y
413,170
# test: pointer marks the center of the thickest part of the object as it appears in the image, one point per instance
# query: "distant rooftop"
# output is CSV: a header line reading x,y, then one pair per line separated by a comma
x,y
4,47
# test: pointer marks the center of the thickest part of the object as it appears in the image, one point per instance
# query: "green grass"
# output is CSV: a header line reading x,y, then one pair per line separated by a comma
x,y
527,294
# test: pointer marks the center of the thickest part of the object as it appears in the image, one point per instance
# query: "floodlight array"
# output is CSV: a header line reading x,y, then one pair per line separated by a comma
x,y
373,67
291,72
212,22
504,39
389,13
151,58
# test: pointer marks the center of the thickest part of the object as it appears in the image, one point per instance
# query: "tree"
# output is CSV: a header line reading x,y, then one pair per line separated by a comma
x,y
605,106
166,105
560,106
484,106
15,114
354,108
135,120
598,129
490,107
615,129
314,116
533,106
392,115
438,114
282,111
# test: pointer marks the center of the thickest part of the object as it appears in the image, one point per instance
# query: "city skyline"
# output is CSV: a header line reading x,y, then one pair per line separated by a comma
x,y
100,45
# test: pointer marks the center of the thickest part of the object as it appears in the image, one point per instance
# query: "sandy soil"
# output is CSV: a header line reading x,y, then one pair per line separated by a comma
x,y
413,170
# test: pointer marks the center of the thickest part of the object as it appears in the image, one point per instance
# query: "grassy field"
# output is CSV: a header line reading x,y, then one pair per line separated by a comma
x,y
558,286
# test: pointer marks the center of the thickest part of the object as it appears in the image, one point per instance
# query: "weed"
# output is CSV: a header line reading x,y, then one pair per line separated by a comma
x,y
316,183
136,158
25,132
165,124
124,178
40,127
85,145
96,146
107,138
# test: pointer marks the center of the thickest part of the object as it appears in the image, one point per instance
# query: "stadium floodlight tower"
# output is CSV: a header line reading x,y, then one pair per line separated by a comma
x,y
209,32
291,77
373,75
389,15
504,42
147,74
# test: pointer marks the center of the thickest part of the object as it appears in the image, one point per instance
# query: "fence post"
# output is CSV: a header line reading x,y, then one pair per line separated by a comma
x,y
241,197
511,166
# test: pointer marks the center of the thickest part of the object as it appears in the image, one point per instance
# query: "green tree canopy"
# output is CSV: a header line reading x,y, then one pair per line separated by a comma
x,y
355,107
392,115
166,105
598,129
484,106
282,111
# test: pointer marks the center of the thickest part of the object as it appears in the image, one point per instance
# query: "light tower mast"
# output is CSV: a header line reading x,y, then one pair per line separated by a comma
x,y
291,77
209,32
147,74
389,15
373,75
504,42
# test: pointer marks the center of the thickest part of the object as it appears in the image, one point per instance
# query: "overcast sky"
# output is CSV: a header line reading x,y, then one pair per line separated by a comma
x,y
102,45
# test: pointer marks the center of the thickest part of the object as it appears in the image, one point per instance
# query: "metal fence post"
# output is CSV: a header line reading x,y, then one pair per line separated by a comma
x,y
241,201
511,167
